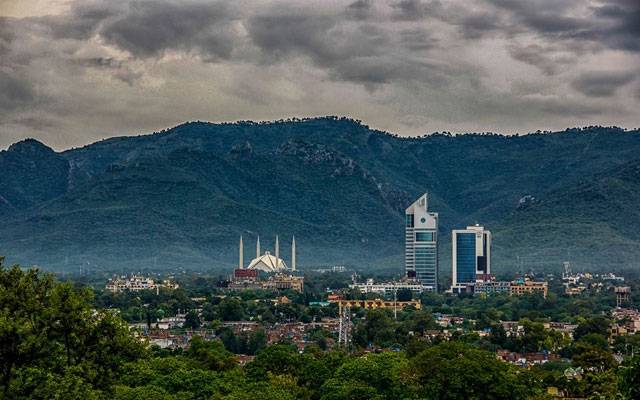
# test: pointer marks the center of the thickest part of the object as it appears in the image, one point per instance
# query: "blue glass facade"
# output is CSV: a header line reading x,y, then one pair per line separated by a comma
x,y
466,257
426,264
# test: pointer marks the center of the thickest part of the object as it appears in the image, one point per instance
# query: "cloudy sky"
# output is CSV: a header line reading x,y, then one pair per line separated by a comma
x,y
75,71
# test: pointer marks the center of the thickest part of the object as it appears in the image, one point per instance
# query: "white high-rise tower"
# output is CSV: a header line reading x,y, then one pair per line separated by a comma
x,y
293,253
277,248
421,243
241,255
258,247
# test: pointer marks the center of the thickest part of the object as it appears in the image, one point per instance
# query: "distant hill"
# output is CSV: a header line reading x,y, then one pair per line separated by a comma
x,y
183,196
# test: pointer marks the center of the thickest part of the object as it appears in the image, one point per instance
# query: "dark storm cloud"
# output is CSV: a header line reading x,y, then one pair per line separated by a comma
x,y
424,64
624,17
602,84
364,53
612,23
150,28
83,20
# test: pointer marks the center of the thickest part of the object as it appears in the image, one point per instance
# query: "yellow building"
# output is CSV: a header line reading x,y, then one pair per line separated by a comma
x,y
377,303
284,282
520,287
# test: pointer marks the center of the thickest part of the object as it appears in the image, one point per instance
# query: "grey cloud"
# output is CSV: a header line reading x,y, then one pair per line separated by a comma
x,y
547,59
150,28
624,32
440,64
83,21
417,39
363,53
282,35
360,9
602,84
416,9
118,68
476,25
613,23
15,92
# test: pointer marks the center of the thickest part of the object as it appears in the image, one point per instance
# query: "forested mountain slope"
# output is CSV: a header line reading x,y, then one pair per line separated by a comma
x,y
183,196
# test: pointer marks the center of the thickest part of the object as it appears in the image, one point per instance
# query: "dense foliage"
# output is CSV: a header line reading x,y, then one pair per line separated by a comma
x,y
55,345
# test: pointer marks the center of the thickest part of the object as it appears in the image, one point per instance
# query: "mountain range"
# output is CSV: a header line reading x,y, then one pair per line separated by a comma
x,y
183,196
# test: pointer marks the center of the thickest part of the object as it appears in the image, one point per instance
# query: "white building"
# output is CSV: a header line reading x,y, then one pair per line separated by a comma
x,y
267,262
421,243
471,256
136,283
388,288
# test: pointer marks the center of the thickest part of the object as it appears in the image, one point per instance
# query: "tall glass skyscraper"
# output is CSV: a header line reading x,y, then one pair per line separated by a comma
x,y
421,243
471,256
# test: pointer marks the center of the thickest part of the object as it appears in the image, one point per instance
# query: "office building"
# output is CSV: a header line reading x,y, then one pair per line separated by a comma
x,y
421,243
471,256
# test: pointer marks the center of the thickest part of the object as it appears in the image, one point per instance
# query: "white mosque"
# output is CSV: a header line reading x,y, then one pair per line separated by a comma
x,y
268,262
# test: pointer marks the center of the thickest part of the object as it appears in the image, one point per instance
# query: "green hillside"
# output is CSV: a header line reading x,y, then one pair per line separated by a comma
x,y
182,197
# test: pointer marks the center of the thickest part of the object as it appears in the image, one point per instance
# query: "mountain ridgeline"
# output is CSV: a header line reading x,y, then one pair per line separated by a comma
x,y
183,196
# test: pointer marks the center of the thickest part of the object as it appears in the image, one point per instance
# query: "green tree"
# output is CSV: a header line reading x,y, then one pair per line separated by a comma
x,y
211,354
376,376
192,320
378,328
230,309
598,324
629,378
257,341
279,359
50,337
452,371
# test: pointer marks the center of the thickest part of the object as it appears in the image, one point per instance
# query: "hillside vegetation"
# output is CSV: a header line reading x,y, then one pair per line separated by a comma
x,y
183,196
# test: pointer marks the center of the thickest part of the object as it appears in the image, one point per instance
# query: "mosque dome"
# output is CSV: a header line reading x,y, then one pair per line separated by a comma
x,y
268,263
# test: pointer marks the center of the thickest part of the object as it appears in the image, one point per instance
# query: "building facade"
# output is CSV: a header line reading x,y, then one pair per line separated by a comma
x,y
388,289
136,283
491,287
471,255
527,286
421,243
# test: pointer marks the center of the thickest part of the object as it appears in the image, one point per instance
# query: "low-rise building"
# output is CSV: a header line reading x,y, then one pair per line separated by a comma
x,y
526,286
492,287
274,282
389,288
378,303
137,283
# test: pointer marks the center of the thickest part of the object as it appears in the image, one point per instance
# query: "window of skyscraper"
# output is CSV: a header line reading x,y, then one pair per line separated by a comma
x,y
425,236
409,220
